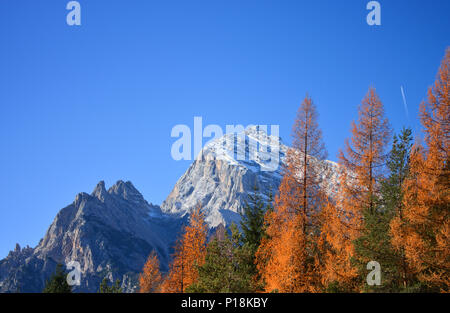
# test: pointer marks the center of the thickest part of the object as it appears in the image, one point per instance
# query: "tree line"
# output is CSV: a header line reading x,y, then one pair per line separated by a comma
x,y
391,206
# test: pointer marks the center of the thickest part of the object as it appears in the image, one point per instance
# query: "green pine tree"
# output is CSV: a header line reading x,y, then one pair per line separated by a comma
x,y
375,241
398,165
253,229
58,282
226,268
252,219
105,288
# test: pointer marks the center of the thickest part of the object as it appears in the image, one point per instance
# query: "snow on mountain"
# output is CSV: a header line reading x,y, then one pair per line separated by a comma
x,y
111,232
227,170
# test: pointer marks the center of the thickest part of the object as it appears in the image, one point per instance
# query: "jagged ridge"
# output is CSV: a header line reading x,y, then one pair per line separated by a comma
x,y
109,232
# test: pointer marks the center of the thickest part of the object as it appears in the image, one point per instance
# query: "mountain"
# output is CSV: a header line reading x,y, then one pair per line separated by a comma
x,y
220,182
109,232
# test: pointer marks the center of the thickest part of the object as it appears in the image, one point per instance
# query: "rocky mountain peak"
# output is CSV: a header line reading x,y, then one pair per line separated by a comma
x,y
100,191
126,190
229,170
115,229
261,132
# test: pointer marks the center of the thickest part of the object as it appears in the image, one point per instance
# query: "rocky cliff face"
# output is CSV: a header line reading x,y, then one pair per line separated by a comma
x,y
220,181
109,232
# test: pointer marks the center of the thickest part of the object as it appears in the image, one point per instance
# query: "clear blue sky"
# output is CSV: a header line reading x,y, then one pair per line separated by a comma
x,y
98,102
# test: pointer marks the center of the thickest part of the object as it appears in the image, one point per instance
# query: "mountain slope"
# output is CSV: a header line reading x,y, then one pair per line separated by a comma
x,y
221,183
110,233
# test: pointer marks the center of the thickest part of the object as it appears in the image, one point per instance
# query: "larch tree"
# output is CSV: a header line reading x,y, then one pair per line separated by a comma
x,y
286,259
189,254
361,165
150,279
424,231
336,271
175,279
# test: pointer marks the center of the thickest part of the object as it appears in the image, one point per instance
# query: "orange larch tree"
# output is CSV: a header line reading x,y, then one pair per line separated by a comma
x,y
286,260
189,254
175,279
424,231
361,166
194,244
150,279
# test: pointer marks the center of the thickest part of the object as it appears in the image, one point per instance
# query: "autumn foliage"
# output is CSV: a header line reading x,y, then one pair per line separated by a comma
x,y
423,230
150,279
391,207
288,258
190,252
359,183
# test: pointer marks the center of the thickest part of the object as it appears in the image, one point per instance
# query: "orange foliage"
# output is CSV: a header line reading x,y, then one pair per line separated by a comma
x,y
359,183
424,229
190,253
336,247
287,259
364,154
150,280
175,280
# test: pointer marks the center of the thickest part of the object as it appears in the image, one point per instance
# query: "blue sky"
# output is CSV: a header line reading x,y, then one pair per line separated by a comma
x,y
98,102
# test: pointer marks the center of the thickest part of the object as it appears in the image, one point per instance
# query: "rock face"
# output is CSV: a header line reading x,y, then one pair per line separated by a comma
x,y
109,232
228,171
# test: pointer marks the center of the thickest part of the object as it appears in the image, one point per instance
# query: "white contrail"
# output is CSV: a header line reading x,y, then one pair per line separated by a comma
x,y
404,102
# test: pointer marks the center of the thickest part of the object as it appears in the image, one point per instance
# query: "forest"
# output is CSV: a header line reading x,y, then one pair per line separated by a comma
x,y
391,207
390,213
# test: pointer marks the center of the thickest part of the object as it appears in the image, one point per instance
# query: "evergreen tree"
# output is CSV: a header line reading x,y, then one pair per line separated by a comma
x,y
211,273
114,288
362,166
392,202
423,232
398,165
227,266
252,219
253,229
375,240
58,282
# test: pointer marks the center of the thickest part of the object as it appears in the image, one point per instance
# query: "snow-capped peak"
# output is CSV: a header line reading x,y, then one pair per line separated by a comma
x,y
251,148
